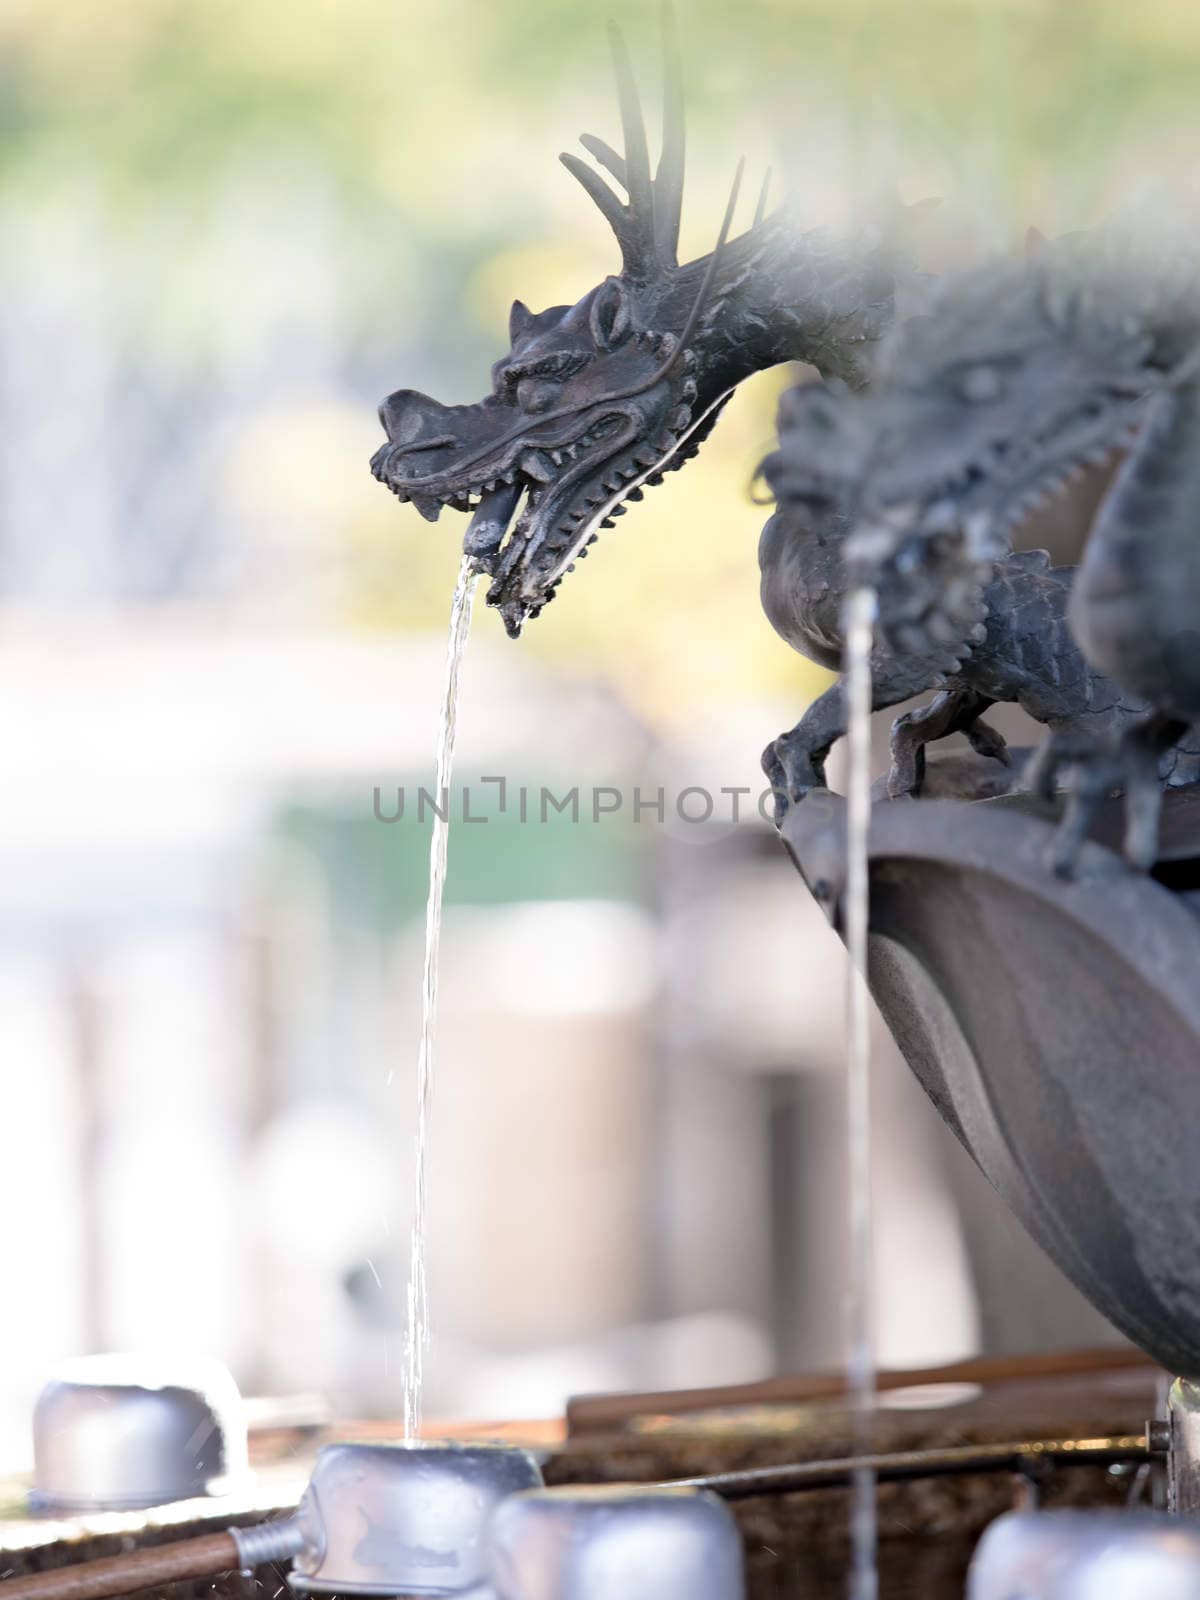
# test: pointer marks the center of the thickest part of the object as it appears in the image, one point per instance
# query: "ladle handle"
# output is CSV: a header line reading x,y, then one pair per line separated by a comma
x,y
127,1574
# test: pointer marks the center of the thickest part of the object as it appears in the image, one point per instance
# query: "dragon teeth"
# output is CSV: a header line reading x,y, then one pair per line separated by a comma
x,y
536,465
429,507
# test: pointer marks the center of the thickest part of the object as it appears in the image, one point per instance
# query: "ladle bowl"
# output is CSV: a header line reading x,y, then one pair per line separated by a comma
x,y
115,1433
1086,1555
597,1543
403,1518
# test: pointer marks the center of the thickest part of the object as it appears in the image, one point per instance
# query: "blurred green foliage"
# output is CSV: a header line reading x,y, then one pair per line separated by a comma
x,y
407,100
377,872
434,128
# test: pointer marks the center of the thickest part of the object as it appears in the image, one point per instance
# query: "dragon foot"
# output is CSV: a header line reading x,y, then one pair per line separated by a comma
x,y
1130,764
955,710
792,769
985,740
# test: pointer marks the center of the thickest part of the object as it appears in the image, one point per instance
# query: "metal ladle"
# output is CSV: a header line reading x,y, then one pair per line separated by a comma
x,y
374,1519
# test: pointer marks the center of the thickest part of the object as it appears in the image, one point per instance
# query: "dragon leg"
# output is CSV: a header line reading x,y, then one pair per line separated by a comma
x,y
1142,750
1063,750
795,762
955,710
1131,763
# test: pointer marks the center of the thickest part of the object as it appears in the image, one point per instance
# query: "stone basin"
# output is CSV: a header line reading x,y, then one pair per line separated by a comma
x,y
1054,1024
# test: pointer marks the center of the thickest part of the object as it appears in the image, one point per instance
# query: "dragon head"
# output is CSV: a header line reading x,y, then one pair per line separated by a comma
x,y
592,401
1019,375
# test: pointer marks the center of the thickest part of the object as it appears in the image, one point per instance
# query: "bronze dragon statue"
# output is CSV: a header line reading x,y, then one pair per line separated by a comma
x,y
1002,633
596,400
1020,373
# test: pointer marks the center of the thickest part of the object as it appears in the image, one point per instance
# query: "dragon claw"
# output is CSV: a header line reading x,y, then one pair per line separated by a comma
x,y
791,772
908,760
987,742
1130,764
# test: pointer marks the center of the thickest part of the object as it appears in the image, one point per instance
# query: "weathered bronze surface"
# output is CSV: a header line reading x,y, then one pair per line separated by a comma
x,y
1020,374
595,401
1009,640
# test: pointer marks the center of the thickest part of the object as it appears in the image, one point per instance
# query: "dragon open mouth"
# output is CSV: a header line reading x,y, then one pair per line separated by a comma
x,y
540,485
559,522
539,511
593,401
929,557
545,508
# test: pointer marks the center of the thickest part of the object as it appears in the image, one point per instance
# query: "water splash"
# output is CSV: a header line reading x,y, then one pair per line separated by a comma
x,y
417,1328
859,631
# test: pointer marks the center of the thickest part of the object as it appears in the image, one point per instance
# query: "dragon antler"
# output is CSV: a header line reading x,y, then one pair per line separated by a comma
x,y
647,227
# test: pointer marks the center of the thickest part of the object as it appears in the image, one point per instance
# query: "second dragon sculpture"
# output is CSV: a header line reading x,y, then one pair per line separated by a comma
x,y
1000,632
1020,373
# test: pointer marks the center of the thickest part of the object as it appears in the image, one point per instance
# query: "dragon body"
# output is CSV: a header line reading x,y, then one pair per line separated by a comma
x,y
1018,646
1021,373
595,401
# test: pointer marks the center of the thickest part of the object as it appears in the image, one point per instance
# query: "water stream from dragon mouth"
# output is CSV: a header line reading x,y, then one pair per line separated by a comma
x,y
417,1325
859,631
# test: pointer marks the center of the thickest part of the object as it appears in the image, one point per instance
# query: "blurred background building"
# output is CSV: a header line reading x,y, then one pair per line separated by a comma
x,y
226,231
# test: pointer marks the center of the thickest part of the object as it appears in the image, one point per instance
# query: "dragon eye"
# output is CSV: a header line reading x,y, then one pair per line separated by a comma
x,y
554,368
980,383
537,391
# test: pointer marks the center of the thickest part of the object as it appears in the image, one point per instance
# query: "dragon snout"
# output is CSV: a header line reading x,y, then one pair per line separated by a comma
x,y
414,421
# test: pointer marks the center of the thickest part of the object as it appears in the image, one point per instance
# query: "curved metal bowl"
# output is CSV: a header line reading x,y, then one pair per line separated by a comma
x,y
597,1543
403,1518
1086,1555
114,1433
1055,1026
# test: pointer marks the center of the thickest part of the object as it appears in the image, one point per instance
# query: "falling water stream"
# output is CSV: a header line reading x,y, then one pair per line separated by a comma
x,y
859,628
859,631
417,1329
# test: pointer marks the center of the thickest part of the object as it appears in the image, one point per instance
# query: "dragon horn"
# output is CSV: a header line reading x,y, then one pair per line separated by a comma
x,y
633,126
668,181
647,229
706,283
760,209
605,155
610,207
